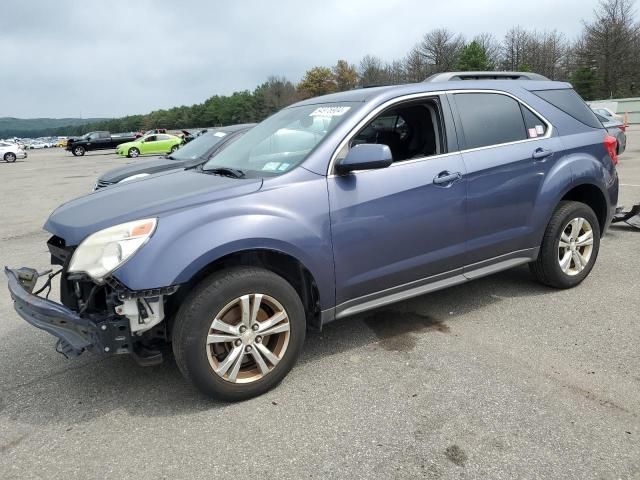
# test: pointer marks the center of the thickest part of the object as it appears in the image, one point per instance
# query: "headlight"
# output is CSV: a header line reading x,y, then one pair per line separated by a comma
x,y
104,251
134,177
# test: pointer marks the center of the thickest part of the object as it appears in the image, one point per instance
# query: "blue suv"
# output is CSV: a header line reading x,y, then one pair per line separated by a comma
x,y
331,207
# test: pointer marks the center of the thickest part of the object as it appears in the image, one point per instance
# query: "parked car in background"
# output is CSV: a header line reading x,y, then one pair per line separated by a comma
x,y
308,218
608,113
9,152
95,141
153,144
616,129
195,153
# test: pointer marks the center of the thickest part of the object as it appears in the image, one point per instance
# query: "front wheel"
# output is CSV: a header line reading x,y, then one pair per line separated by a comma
x,y
133,153
9,157
569,247
78,151
239,333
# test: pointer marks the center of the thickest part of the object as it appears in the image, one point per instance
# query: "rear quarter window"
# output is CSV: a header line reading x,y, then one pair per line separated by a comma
x,y
569,102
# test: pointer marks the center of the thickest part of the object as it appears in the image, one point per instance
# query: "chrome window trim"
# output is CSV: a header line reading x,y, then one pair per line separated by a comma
x,y
414,96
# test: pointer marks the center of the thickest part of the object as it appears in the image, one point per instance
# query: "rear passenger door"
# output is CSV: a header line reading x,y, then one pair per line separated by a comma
x,y
508,150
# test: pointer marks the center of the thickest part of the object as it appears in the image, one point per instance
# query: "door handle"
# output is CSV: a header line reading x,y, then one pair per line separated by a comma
x,y
446,178
541,153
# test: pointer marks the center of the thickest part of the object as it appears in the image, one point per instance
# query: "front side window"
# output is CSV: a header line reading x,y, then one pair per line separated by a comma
x,y
490,119
150,138
282,141
411,130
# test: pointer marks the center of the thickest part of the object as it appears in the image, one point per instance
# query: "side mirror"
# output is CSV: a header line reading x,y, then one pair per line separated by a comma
x,y
366,156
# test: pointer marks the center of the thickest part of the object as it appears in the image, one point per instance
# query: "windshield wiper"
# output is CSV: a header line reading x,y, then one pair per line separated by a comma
x,y
225,172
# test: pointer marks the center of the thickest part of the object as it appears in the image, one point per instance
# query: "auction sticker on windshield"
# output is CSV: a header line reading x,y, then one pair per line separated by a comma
x,y
329,111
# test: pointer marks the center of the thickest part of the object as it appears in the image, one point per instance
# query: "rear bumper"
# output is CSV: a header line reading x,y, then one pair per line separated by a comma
x,y
75,333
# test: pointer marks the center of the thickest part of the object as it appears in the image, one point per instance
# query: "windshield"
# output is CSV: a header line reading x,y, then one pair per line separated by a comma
x,y
283,140
198,147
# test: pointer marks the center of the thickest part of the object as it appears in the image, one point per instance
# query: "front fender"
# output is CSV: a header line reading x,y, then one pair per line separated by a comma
x,y
293,220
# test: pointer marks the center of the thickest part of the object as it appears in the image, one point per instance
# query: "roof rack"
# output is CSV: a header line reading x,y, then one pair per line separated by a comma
x,y
454,76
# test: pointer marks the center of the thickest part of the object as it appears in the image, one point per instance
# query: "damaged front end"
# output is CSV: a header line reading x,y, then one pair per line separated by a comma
x,y
104,318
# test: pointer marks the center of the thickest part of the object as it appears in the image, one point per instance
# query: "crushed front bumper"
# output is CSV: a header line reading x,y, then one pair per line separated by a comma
x,y
75,333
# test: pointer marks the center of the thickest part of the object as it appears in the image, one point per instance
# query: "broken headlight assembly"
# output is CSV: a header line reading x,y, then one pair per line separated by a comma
x,y
104,251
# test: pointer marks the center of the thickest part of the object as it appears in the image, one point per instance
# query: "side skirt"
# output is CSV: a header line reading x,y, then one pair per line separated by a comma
x,y
429,284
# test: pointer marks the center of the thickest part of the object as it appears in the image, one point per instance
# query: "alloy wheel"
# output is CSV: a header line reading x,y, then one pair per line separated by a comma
x,y
248,338
575,246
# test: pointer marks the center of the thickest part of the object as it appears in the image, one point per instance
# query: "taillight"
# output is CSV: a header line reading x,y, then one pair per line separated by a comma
x,y
611,144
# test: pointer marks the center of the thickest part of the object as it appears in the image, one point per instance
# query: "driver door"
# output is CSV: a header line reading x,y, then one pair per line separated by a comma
x,y
150,144
400,228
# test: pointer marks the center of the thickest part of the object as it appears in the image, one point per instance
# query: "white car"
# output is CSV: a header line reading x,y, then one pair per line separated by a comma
x,y
608,113
9,152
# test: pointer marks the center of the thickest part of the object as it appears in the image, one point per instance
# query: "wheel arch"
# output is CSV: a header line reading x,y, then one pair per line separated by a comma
x,y
591,195
283,264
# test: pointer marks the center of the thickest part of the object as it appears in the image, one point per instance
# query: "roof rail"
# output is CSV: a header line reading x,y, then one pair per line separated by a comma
x,y
453,76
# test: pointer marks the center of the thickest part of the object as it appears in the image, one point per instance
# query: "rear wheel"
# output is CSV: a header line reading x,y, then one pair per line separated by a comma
x,y
570,246
10,157
239,333
133,153
174,148
78,151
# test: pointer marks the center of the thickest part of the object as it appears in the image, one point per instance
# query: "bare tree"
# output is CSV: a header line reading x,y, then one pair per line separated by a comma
x,y
395,72
514,49
440,48
372,71
415,66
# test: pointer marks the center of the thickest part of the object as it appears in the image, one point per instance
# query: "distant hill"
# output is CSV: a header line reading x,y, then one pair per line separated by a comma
x,y
37,127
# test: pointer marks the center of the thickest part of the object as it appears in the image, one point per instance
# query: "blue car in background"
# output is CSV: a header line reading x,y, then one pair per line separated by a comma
x,y
331,207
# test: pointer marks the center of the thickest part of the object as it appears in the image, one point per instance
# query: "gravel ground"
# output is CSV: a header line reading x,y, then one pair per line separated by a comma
x,y
498,378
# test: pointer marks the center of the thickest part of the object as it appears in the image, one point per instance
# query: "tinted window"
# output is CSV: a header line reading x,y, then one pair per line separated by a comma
x,y
570,102
490,119
199,146
151,138
535,126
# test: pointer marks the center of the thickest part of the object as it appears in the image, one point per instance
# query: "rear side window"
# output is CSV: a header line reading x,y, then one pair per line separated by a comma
x,y
570,103
490,119
535,126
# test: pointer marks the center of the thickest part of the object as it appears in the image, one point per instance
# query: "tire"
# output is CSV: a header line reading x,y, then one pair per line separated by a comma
x,y
222,292
78,151
9,157
174,148
133,153
561,242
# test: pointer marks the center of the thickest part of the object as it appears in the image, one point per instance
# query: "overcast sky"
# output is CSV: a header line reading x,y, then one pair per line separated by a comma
x,y
68,58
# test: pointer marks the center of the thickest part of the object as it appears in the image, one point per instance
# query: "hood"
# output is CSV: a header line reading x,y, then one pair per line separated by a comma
x,y
151,166
147,197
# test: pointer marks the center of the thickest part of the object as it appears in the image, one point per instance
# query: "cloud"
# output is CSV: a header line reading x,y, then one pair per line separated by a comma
x,y
70,58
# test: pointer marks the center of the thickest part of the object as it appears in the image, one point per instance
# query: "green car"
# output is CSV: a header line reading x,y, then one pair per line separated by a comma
x,y
154,144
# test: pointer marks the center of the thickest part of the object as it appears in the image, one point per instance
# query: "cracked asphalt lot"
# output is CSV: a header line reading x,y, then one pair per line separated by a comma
x,y
498,378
